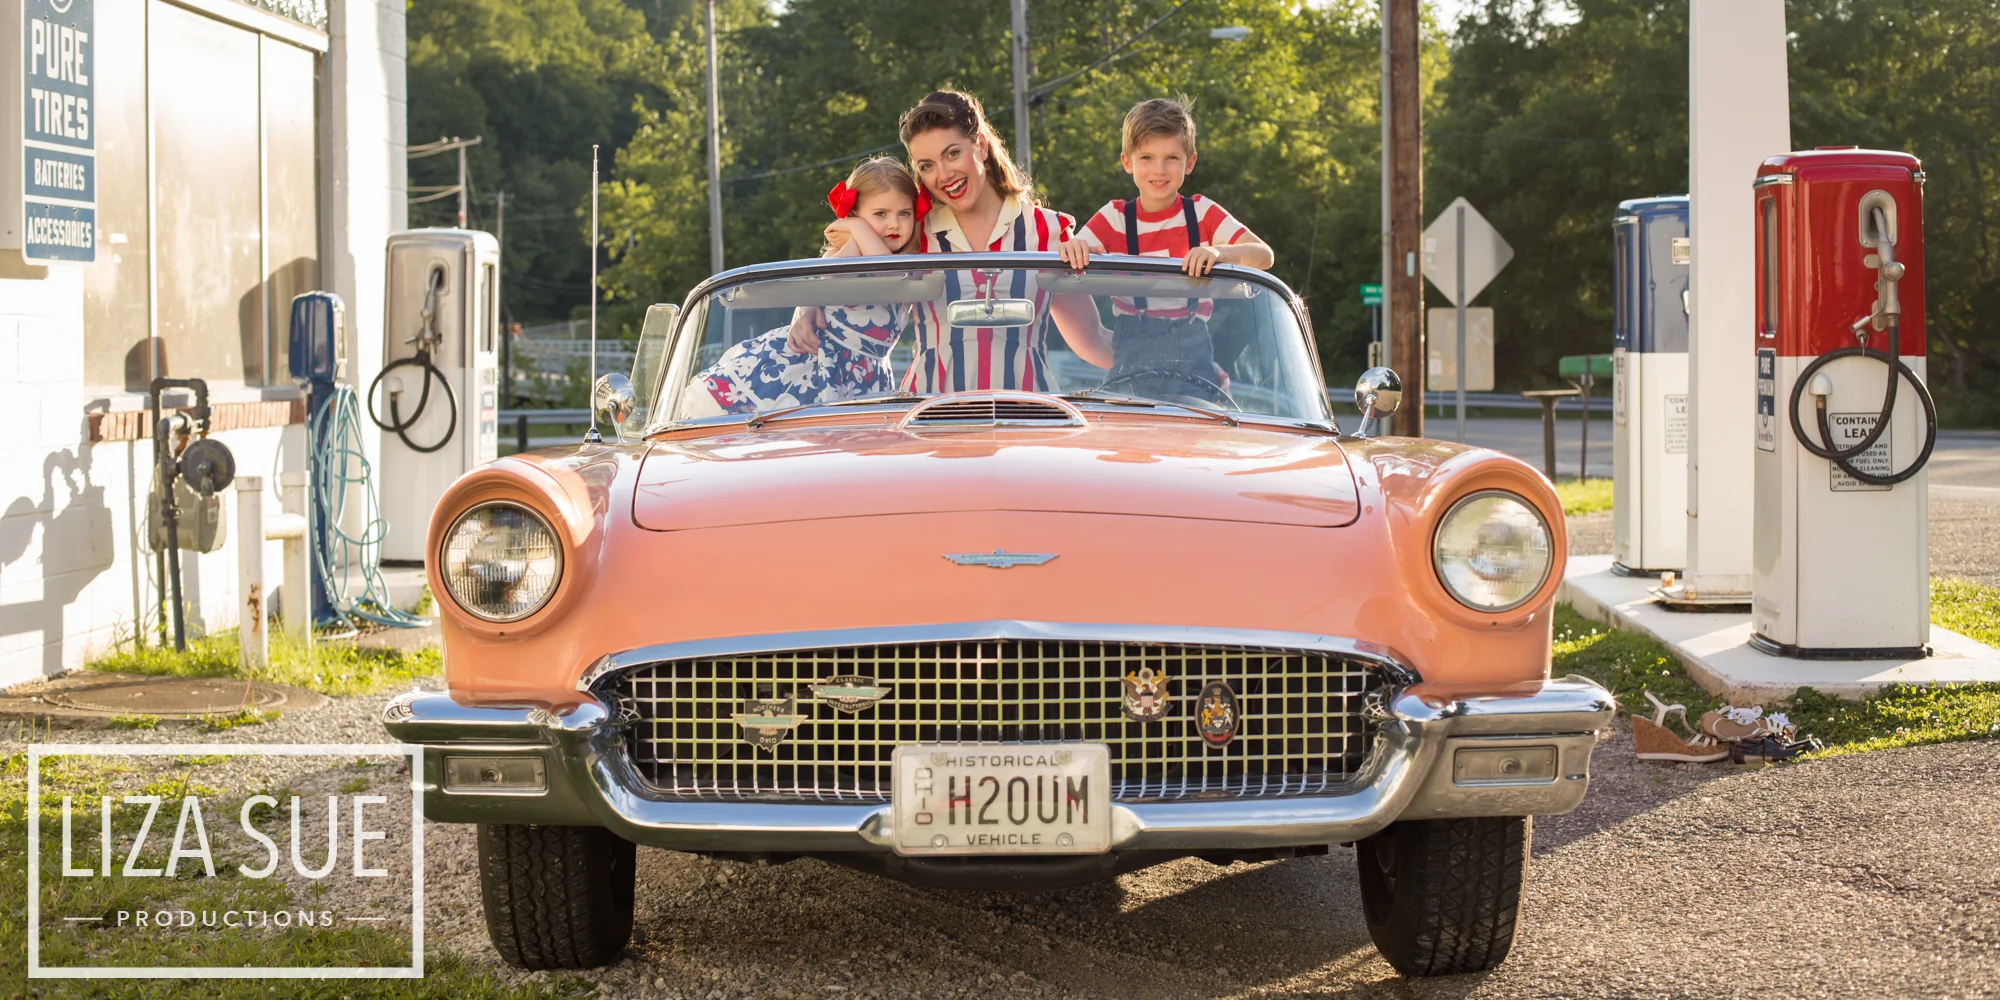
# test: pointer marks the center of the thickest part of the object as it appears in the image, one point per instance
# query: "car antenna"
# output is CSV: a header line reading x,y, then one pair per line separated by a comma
x,y
591,436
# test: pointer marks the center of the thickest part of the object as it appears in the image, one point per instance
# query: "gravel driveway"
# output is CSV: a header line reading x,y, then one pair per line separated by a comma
x,y
1872,875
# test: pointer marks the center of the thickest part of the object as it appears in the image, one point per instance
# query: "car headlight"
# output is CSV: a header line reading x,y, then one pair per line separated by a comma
x,y
1492,551
501,561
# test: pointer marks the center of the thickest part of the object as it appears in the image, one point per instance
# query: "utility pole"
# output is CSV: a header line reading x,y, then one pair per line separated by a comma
x,y
714,155
1403,284
1021,95
433,192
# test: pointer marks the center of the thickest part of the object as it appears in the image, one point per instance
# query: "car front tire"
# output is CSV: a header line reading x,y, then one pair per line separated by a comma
x,y
556,897
1443,896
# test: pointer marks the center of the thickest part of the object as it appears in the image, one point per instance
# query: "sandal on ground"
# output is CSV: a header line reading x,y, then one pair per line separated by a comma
x,y
1654,741
1770,750
1729,724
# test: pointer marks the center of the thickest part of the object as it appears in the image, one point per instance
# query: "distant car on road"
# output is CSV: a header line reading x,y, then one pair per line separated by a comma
x,y
999,637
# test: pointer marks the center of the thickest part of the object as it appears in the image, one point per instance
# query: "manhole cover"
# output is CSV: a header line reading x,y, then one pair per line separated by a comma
x,y
170,696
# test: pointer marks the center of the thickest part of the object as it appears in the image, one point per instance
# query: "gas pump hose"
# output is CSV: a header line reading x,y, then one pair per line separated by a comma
x,y
397,423
1898,371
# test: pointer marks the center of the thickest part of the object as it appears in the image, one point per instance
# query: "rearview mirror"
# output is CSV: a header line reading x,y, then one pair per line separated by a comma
x,y
990,312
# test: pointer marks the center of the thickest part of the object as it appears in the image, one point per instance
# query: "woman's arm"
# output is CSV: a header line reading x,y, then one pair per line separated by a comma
x,y
1076,317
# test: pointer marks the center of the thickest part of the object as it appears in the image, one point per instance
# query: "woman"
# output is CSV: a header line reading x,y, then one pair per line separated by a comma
x,y
980,202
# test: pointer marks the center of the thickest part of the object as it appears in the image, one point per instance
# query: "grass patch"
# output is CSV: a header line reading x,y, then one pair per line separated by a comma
x,y
1899,715
1970,609
1584,496
134,722
332,668
247,717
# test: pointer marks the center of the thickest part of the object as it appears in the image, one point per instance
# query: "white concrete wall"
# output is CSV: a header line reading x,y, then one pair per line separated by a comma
x,y
76,571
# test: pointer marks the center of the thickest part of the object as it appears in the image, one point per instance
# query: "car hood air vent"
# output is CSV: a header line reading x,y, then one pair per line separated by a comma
x,y
992,409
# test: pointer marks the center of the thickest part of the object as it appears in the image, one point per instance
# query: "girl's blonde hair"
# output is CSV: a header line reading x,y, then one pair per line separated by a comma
x,y
878,174
958,110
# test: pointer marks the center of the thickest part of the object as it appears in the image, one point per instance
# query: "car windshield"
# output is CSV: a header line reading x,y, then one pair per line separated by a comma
x,y
1226,344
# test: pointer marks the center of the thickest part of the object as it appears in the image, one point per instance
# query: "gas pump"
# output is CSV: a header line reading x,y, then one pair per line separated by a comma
x,y
1649,385
437,398
1845,424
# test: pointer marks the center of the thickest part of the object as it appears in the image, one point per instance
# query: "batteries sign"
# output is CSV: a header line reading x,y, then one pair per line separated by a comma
x,y
1767,399
59,140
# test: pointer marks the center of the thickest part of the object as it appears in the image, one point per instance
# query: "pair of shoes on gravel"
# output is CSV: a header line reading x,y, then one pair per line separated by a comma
x,y
1654,741
1744,735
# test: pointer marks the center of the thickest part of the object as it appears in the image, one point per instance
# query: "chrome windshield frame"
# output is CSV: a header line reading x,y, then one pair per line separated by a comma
x,y
809,267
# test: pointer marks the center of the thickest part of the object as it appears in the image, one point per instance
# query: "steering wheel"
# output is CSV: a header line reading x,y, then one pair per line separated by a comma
x,y
1195,380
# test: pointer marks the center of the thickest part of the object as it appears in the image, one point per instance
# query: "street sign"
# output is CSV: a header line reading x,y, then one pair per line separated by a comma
x,y
1441,332
1371,295
1485,252
58,188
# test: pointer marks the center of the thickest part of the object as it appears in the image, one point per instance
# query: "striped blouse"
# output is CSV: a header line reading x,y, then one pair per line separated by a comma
x,y
957,359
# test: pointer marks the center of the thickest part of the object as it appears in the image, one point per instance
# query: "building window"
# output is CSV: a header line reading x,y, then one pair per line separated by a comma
x,y
234,199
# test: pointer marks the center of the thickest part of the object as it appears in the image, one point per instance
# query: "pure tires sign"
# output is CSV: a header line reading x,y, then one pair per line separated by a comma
x,y
58,136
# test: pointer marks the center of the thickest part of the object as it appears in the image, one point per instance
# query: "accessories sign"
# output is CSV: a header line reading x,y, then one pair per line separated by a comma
x,y
58,139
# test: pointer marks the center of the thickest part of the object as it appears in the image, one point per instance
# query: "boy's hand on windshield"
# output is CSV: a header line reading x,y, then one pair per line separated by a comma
x,y
807,321
1201,260
1075,253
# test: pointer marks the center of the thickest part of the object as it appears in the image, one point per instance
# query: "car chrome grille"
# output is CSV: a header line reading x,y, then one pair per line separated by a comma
x,y
1300,726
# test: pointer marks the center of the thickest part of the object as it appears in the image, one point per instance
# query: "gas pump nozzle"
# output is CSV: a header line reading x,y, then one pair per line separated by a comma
x,y
1888,274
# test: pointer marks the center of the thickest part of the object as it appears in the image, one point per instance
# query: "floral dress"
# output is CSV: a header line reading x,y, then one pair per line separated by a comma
x,y
852,360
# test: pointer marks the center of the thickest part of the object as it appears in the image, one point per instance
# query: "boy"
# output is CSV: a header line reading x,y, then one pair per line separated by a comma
x,y
1162,345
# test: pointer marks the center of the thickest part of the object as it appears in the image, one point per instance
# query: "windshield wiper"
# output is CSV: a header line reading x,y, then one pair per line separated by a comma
x,y
900,396
1107,398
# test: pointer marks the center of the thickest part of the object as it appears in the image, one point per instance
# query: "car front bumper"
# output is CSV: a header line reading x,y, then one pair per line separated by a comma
x,y
1414,772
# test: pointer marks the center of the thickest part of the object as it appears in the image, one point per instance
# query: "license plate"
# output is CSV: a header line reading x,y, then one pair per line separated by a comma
x,y
1035,798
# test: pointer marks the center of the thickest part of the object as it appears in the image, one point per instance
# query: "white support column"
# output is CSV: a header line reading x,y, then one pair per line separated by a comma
x,y
1738,114
253,649
297,535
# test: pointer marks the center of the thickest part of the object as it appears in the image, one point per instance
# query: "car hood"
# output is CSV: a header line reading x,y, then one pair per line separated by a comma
x,y
1182,469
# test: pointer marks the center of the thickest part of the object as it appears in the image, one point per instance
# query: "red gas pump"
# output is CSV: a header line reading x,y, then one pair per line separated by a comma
x,y
1845,424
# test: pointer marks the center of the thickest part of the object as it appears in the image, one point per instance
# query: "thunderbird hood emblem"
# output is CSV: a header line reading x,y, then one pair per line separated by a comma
x,y
850,693
1000,558
767,721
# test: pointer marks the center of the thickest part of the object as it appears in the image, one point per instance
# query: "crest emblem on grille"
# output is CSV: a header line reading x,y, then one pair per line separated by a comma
x,y
1215,714
767,721
1146,695
1000,558
850,693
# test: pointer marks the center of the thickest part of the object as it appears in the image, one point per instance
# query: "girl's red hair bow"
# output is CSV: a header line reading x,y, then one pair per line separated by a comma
x,y
841,199
923,203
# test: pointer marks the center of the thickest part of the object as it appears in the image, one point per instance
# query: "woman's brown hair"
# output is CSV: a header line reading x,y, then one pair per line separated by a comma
x,y
958,110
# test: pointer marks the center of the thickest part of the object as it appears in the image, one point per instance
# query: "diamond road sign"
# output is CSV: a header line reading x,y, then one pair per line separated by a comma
x,y
1485,252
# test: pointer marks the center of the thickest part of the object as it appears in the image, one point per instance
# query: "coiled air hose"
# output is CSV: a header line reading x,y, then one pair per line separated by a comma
x,y
1888,307
426,340
340,466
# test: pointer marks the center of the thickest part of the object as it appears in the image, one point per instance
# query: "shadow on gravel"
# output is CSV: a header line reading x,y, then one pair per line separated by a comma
x,y
1623,786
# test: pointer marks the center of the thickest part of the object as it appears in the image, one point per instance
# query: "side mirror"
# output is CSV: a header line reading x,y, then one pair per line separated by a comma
x,y
1376,394
613,400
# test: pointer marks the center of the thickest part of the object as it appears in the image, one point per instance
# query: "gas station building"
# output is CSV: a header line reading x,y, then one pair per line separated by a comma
x,y
175,171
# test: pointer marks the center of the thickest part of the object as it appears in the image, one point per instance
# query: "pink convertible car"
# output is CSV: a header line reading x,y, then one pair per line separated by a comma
x,y
1005,637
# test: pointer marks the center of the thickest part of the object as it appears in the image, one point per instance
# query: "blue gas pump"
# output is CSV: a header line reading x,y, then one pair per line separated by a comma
x,y
1649,385
317,359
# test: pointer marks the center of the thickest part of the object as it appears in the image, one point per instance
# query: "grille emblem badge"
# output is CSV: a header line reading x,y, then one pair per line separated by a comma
x,y
1000,558
1146,695
767,721
850,693
1215,714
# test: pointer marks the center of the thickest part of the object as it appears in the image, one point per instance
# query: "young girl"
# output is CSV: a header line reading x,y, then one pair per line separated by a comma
x,y
878,210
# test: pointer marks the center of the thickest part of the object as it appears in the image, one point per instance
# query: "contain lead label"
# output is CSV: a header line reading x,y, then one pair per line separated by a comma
x,y
1848,430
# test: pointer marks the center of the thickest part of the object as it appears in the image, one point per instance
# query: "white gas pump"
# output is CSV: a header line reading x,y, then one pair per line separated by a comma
x,y
437,398
1844,422
1649,385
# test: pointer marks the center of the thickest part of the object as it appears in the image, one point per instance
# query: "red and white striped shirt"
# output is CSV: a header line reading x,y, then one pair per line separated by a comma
x,y
1162,234
957,359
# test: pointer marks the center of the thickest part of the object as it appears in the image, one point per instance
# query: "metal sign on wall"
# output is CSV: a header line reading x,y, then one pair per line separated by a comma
x,y
58,134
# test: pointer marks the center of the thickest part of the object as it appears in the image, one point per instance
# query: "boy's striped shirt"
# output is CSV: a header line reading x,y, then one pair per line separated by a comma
x,y
1162,234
